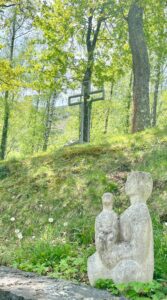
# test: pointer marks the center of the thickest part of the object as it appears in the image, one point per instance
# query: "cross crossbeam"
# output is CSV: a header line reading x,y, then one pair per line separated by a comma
x,y
78,99
94,96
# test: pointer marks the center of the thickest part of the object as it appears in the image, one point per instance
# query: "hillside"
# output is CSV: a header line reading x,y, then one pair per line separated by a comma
x,y
49,202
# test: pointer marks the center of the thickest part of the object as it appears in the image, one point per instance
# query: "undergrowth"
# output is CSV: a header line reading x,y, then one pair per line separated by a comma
x,y
49,203
155,290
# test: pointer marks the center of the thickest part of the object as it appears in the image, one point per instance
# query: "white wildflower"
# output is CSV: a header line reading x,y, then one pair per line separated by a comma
x,y
165,223
19,235
40,205
65,224
12,219
50,220
17,231
33,237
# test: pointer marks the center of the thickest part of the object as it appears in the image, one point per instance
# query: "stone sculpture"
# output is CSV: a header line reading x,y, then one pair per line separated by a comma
x,y
124,245
106,229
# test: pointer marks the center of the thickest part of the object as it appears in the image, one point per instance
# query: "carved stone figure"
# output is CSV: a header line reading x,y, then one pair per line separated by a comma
x,y
125,248
106,229
106,235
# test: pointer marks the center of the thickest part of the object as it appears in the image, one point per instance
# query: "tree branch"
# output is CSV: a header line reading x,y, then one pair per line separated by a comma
x,y
101,19
7,5
21,24
5,82
8,83
89,31
18,36
96,34
122,10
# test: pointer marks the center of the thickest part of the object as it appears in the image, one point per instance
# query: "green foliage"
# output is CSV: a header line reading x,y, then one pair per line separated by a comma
x,y
107,284
160,248
135,290
44,253
81,230
60,34
74,267
58,261
4,172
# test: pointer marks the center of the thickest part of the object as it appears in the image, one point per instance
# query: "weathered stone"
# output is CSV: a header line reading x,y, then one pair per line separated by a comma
x,y
106,229
129,255
18,285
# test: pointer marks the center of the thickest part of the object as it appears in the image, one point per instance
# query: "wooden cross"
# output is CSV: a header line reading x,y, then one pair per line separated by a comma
x,y
78,99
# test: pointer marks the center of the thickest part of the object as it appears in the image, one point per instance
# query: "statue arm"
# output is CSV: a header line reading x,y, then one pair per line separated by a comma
x,y
136,248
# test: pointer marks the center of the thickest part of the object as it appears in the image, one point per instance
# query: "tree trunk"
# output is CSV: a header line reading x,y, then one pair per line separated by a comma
x,y
156,90
141,69
91,40
35,123
129,103
108,110
5,128
86,92
49,120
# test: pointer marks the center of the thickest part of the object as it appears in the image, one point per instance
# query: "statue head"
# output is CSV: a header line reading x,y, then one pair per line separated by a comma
x,y
139,186
107,200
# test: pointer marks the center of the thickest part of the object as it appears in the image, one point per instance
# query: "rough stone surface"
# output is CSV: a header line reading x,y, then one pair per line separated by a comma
x,y
125,245
18,285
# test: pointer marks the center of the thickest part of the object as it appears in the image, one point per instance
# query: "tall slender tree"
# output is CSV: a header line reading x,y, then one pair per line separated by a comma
x,y
141,68
157,39
18,25
50,108
91,40
3,144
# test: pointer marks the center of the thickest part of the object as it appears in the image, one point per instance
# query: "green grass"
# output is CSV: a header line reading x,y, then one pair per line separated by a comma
x,y
67,185
154,290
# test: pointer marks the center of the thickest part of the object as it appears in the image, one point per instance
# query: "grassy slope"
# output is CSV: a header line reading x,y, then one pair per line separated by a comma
x,y
67,186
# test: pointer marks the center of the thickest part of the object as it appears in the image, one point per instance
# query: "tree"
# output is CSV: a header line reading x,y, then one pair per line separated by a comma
x,y
16,26
141,68
156,90
51,63
50,106
108,109
6,98
91,40
156,36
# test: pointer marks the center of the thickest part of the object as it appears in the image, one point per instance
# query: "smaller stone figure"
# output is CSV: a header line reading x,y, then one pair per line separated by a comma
x,y
106,236
106,228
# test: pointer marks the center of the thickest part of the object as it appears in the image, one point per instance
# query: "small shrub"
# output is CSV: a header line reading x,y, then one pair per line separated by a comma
x,y
68,261
4,172
74,267
135,290
41,253
107,284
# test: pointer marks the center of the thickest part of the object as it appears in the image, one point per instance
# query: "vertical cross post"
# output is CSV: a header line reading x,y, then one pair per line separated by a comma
x,y
85,112
81,124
